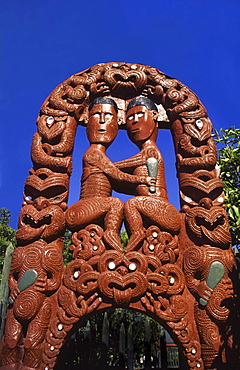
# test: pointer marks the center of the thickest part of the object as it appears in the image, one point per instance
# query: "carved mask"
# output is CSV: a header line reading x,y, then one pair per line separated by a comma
x,y
102,126
140,124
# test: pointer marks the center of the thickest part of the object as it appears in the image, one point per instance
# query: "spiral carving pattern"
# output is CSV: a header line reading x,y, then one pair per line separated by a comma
x,y
167,269
194,259
27,304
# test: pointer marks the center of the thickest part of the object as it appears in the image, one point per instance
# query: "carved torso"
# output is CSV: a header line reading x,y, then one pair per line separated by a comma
x,y
94,183
137,166
98,172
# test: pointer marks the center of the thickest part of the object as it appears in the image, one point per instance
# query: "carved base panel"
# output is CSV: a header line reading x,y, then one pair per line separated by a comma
x,y
148,280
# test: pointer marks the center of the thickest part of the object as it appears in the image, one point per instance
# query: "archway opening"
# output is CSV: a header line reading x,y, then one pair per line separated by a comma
x,y
119,339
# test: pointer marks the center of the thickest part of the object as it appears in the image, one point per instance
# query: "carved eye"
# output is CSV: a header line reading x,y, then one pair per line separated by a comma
x,y
140,115
108,115
130,118
96,114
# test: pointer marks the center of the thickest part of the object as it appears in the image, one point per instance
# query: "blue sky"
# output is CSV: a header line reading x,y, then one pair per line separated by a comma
x,y
43,42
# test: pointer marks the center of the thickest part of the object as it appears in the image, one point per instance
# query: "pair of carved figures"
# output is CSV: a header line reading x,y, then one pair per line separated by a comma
x,y
100,176
176,266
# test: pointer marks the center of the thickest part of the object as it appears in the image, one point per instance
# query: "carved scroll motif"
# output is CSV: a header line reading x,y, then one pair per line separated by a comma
x,y
177,268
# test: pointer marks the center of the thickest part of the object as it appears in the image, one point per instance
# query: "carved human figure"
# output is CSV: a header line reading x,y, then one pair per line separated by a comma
x,y
30,309
150,205
96,203
207,271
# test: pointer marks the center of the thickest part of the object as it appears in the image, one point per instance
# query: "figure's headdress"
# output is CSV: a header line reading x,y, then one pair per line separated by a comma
x,y
103,100
144,101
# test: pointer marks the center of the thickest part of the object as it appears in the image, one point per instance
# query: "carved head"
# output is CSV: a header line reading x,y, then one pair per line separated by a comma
x,y
102,125
141,120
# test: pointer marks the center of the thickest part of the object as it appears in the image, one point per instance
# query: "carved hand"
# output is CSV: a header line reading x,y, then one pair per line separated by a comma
x,y
150,181
14,292
40,285
204,291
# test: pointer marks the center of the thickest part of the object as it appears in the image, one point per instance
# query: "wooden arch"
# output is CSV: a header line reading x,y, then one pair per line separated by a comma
x,y
166,277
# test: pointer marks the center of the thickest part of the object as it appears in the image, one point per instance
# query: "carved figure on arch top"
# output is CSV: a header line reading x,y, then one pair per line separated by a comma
x,y
150,205
96,203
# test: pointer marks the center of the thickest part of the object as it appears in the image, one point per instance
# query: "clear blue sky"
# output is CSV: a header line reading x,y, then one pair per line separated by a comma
x,y
43,42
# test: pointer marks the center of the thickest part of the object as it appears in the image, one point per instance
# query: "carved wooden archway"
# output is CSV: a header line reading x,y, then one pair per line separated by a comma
x,y
166,277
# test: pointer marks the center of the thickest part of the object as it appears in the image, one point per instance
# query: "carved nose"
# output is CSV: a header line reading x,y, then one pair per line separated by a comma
x,y
102,118
41,203
135,118
205,203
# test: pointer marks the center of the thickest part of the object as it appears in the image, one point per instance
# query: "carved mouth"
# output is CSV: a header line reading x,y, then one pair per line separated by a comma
x,y
35,224
125,81
211,226
125,78
101,131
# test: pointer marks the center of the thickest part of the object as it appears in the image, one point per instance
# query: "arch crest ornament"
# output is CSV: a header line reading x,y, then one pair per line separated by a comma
x,y
176,266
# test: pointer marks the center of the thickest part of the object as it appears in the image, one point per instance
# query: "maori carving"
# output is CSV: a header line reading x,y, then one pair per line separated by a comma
x,y
98,171
32,307
52,144
211,225
208,280
150,204
177,265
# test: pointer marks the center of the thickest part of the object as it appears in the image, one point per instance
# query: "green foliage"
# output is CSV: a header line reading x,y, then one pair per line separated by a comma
x,y
7,234
228,142
67,255
124,238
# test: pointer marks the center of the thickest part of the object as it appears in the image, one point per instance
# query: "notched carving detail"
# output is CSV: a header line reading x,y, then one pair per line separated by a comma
x,y
176,266
210,225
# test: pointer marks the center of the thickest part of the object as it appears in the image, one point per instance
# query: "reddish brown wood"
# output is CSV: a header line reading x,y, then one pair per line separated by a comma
x,y
177,265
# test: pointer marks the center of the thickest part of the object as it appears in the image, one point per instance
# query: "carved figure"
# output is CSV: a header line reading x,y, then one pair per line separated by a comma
x,y
31,308
150,205
98,172
206,271
177,267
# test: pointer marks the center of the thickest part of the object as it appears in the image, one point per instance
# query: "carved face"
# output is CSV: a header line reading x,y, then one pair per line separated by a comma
x,y
209,225
47,223
140,124
102,126
44,187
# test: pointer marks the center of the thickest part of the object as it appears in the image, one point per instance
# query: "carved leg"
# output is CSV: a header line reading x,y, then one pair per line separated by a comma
x,y
87,211
210,340
141,209
132,215
12,350
108,209
135,239
84,212
11,367
114,215
134,224
112,223
32,359
35,336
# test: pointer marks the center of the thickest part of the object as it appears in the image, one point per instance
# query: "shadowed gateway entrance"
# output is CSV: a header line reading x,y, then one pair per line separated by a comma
x,y
119,339
176,265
